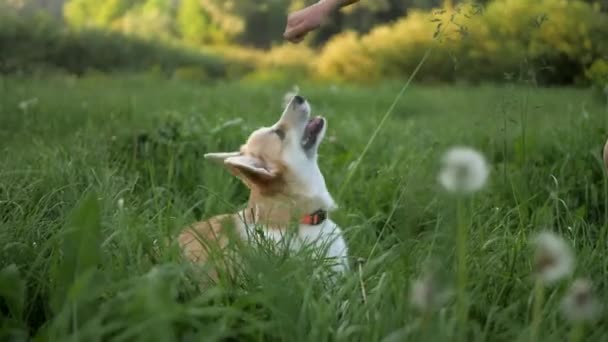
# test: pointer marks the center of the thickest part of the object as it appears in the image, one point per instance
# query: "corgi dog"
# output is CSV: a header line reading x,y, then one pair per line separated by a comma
x,y
279,166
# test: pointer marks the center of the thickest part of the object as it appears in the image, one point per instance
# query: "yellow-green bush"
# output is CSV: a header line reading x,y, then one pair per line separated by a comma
x,y
495,45
417,34
190,73
29,44
287,58
344,57
395,50
548,41
290,57
598,73
239,61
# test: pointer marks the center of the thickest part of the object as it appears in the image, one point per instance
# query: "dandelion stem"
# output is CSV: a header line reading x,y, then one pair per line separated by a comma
x,y
604,231
577,332
352,171
461,255
537,310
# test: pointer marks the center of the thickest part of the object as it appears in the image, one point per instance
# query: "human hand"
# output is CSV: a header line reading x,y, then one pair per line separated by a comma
x,y
310,18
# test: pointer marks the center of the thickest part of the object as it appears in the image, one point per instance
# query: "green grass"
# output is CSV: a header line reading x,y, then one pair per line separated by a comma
x,y
76,266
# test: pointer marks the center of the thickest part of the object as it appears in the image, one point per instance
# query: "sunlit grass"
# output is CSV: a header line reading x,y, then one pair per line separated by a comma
x,y
97,173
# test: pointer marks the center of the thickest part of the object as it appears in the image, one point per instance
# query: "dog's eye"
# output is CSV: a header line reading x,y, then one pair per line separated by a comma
x,y
280,133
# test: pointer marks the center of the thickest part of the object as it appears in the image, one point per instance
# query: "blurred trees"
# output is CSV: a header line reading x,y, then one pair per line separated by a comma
x,y
84,13
202,22
547,41
252,23
194,24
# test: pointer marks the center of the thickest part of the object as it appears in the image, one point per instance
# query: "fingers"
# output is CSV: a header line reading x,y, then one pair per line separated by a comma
x,y
296,33
304,21
297,39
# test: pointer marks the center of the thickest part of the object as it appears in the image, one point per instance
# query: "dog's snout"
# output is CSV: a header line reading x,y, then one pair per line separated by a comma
x,y
297,111
298,100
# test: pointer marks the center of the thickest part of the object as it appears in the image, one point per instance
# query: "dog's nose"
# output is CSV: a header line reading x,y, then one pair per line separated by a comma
x,y
298,99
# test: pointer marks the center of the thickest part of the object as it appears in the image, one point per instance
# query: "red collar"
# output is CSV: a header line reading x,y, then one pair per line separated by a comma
x,y
315,218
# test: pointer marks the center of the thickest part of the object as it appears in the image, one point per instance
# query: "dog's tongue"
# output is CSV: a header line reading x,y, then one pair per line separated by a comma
x,y
312,130
314,125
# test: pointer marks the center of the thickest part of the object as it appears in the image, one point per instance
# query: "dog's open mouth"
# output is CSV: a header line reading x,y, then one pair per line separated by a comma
x,y
311,132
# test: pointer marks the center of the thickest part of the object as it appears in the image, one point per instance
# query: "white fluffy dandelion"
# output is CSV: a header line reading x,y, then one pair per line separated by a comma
x,y
553,259
464,170
295,90
26,104
120,203
580,303
426,293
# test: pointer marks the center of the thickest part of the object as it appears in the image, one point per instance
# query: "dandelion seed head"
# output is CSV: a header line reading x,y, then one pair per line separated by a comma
x,y
121,203
464,170
420,293
553,259
427,293
26,104
580,303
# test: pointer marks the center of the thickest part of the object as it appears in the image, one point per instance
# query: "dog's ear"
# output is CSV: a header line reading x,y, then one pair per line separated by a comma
x,y
254,172
252,168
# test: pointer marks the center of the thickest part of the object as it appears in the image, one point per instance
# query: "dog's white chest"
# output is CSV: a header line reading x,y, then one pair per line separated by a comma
x,y
326,237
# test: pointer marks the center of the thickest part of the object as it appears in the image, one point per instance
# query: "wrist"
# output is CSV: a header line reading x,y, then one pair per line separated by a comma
x,y
343,3
333,5
329,5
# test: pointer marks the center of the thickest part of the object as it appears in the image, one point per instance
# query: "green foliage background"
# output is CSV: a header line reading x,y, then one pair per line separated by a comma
x,y
107,106
553,42
76,263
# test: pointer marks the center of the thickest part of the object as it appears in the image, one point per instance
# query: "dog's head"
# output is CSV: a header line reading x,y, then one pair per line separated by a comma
x,y
281,160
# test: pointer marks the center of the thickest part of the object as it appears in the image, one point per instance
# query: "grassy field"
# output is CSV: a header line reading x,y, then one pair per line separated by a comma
x,y
96,173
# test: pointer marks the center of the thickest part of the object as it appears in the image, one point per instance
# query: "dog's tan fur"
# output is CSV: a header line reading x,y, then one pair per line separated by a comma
x,y
271,201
